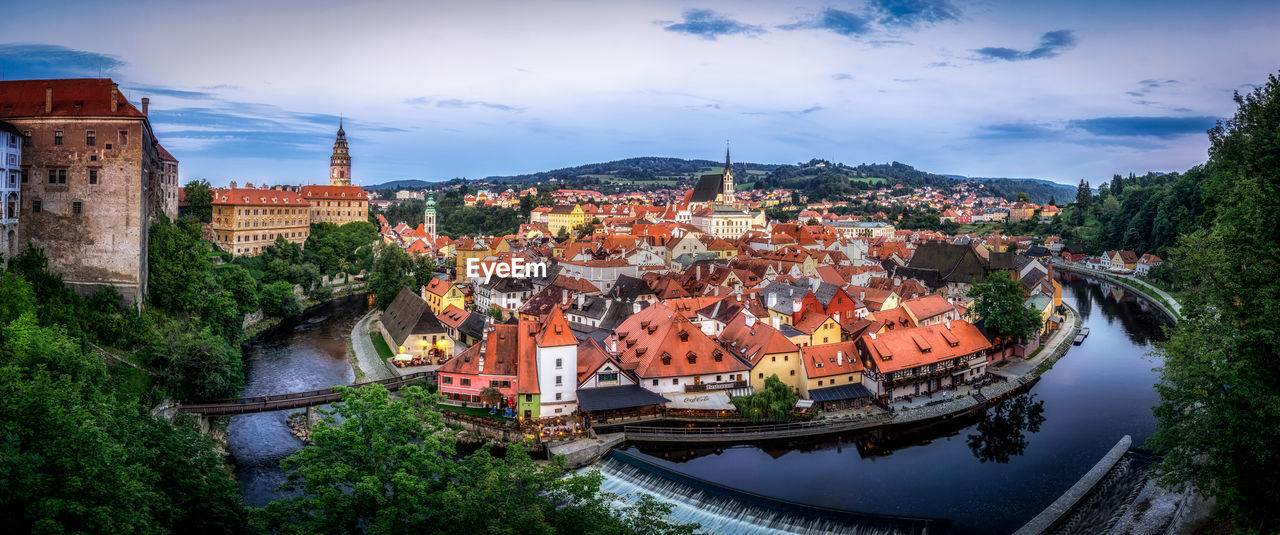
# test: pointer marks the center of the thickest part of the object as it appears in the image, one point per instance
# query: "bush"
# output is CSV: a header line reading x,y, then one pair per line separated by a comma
x,y
278,300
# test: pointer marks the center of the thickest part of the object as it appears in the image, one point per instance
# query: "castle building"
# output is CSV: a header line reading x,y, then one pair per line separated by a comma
x,y
91,180
10,191
248,220
339,202
715,189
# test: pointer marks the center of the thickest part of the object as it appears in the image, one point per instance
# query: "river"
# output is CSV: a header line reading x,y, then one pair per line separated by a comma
x,y
304,354
1022,454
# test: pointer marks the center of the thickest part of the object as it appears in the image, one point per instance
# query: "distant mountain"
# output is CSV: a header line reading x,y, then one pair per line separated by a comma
x,y
401,184
643,168
1037,189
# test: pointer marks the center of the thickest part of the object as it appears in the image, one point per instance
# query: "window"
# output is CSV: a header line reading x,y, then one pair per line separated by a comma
x,y
35,207
559,363
819,382
90,138
558,395
25,173
76,207
58,176
608,377
559,381
655,381
465,381
675,381
13,141
528,398
124,138
793,373
93,176
26,137
57,138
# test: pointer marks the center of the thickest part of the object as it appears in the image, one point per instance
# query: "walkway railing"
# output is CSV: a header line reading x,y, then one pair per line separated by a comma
x,y
292,400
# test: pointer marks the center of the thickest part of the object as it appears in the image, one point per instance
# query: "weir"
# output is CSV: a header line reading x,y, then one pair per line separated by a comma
x,y
719,509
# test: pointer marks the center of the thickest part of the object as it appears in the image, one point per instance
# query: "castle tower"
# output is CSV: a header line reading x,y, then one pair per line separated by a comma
x,y
340,162
727,196
429,218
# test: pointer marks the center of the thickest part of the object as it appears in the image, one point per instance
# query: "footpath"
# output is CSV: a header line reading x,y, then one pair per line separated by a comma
x,y
366,356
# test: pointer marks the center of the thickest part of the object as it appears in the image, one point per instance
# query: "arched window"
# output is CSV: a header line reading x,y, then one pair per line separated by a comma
x,y
11,206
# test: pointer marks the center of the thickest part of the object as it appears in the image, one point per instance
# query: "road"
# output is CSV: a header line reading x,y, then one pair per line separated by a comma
x,y
366,356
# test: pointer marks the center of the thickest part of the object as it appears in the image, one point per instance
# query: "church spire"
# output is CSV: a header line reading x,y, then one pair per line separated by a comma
x,y
727,195
340,161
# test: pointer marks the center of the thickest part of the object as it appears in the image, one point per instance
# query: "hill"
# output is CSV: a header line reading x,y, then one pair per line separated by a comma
x,y
401,184
1037,189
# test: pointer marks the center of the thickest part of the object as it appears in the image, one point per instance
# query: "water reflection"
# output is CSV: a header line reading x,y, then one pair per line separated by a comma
x,y
1002,433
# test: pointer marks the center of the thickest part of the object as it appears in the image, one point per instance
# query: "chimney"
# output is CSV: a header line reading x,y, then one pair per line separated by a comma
x,y
145,102
635,307
481,363
613,345
115,97
248,185
233,184
948,326
580,298
776,322
773,300
796,306
48,99
839,358
873,336
424,293
837,317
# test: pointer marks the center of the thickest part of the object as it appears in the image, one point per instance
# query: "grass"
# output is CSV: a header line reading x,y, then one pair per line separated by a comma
x,y
1148,290
380,346
479,412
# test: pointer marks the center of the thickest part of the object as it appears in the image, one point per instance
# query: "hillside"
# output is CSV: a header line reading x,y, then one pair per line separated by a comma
x,y
1037,189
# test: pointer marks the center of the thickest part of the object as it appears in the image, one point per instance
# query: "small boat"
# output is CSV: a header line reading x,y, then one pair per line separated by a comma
x,y
1084,331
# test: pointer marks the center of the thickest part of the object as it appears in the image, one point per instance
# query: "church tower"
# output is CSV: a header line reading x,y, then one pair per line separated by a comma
x,y
340,162
727,196
429,219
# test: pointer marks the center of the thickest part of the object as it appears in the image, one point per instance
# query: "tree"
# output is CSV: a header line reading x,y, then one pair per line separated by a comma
x,y
424,269
1084,195
240,285
494,312
278,300
392,270
774,403
396,465
1217,421
562,234
1022,197
1000,302
491,395
199,196
1053,201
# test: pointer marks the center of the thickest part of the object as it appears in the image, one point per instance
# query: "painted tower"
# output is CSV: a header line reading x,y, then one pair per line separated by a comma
x,y
340,162
429,218
727,196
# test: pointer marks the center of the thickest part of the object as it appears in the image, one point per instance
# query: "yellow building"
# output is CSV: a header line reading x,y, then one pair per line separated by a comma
x,y
467,249
833,376
246,221
815,329
337,204
440,294
765,349
564,216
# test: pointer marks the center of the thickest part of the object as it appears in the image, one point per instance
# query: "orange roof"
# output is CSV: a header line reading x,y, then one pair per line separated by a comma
x,y
501,349
659,342
72,97
334,192
556,331
164,154
439,287
527,382
754,341
830,359
927,306
257,197
453,316
907,348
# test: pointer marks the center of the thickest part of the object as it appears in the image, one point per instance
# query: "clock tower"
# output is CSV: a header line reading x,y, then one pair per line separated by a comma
x,y
340,161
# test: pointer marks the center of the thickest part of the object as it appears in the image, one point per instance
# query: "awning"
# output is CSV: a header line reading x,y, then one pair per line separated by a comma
x,y
404,357
804,403
617,397
1055,318
706,401
836,393
741,391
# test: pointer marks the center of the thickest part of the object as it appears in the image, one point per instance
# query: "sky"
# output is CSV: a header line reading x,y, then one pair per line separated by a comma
x,y
1070,90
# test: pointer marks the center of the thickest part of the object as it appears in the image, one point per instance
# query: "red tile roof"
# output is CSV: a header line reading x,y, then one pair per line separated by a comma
x,y
257,197
907,348
72,97
661,343
439,287
556,331
334,192
830,359
755,341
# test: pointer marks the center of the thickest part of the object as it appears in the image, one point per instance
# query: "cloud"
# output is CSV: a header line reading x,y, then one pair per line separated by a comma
x,y
1019,131
1159,127
456,103
913,12
710,25
842,76
170,92
35,61
1051,44
833,20
792,113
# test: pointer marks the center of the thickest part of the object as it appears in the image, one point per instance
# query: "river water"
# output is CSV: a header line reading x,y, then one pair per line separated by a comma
x,y
987,475
304,354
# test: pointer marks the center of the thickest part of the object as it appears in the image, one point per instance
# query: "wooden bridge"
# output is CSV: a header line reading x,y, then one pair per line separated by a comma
x,y
294,400
749,433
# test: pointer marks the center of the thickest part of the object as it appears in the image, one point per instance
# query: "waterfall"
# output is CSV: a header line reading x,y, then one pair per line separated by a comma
x,y
720,509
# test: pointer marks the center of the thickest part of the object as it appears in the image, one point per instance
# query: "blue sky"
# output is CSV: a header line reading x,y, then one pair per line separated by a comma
x,y
252,91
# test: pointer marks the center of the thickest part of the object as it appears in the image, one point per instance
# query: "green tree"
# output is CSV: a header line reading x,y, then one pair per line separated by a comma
x,y
178,265
199,196
494,312
392,270
1052,201
491,395
240,285
1084,195
1022,197
424,269
279,300
1000,302
1219,411
774,403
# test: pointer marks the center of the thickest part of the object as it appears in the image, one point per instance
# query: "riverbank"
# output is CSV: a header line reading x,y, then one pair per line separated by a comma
x,y
1169,306
366,360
